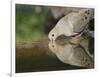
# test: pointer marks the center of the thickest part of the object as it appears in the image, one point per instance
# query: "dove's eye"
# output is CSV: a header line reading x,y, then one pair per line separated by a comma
x,y
52,35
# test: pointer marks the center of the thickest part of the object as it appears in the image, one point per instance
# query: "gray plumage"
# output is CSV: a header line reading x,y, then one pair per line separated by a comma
x,y
71,24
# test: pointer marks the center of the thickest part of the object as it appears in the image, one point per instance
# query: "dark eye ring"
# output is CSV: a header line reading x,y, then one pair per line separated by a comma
x,y
52,35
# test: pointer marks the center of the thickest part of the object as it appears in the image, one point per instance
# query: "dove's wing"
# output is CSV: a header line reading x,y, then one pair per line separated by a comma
x,y
79,27
82,19
76,21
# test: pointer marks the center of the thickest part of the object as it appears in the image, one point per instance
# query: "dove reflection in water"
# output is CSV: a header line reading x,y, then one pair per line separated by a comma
x,y
71,54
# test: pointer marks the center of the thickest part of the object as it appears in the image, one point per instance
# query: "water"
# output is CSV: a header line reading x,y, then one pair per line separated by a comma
x,y
45,55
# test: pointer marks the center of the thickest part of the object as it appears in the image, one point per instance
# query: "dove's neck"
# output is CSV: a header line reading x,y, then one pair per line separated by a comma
x,y
58,31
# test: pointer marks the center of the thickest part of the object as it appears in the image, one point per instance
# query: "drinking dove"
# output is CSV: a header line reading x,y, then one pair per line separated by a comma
x,y
71,24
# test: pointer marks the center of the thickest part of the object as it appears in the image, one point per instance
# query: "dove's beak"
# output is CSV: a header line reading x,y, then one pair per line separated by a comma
x,y
51,39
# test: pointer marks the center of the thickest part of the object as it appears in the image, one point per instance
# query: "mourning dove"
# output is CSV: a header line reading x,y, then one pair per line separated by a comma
x,y
72,24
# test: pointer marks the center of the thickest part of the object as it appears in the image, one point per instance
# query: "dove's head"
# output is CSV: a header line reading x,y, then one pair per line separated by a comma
x,y
54,33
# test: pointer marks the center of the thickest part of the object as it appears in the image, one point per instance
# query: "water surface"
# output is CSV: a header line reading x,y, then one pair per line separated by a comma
x,y
45,55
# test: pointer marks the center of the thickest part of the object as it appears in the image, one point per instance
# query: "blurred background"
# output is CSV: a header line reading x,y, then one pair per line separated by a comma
x,y
33,22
